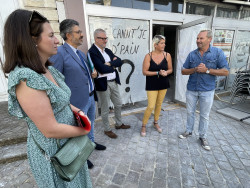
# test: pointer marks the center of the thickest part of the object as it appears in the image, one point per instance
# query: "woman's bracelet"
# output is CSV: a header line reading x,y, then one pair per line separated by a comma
x,y
79,111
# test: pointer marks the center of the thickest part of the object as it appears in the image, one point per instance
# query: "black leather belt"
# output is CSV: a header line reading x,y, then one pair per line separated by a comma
x,y
92,92
111,80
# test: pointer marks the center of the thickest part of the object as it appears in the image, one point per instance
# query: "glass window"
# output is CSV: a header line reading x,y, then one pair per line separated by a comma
x,y
227,13
199,9
223,39
96,2
168,5
137,4
245,15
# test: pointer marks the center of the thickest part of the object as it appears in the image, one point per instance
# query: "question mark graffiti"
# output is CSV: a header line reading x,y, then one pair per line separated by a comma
x,y
127,61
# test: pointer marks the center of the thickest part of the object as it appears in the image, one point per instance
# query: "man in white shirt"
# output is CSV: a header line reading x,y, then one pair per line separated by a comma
x,y
107,81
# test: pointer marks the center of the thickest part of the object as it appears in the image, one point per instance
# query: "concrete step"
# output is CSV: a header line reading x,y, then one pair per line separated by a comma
x,y
14,152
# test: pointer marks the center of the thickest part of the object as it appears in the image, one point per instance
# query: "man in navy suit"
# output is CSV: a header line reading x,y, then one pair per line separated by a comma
x,y
107,80
73,64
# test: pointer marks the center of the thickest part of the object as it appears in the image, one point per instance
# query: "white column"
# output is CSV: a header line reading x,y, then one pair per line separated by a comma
x,y
5,10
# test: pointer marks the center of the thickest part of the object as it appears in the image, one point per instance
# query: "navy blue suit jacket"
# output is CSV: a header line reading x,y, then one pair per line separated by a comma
x,y
76,77
99,63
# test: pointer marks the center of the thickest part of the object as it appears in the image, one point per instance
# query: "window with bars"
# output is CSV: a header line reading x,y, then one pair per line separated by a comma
x,y
192,8
175,6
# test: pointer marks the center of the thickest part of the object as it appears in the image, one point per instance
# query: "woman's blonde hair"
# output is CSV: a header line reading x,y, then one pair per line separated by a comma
x,y
156,40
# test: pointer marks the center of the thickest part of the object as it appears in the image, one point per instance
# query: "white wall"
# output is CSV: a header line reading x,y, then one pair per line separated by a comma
x,y
5,10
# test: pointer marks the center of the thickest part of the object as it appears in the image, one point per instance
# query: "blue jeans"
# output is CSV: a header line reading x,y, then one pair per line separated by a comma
x,y
206,100
89,110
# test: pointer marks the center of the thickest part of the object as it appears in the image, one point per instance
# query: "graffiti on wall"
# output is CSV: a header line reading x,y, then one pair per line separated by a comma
x,y
129,40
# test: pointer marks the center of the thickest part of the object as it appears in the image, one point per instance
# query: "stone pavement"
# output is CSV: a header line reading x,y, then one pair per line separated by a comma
x,y
161,160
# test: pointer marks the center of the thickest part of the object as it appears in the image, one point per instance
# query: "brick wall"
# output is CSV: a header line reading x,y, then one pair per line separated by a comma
x,y
48,8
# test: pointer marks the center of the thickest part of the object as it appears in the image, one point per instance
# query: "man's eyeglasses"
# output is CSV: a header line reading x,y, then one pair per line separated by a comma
x,y
78,32
106,38
36,14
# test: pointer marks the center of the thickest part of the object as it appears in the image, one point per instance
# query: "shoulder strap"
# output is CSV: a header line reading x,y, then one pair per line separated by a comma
x,y
150,55
165,55
40,148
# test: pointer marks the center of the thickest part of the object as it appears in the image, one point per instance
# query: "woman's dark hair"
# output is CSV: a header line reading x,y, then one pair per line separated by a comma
x,y
22,31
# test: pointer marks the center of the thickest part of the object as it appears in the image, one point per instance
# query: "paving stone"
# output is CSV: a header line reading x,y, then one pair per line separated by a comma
x,y
160,173
234,184
174,182
224,165
113,186
216,176
187,169
160,160
236,164
227,148
103,181
245,162
136,167
188,181
200,168
109,170
147,175
173,168
220,156
202,179
148,165
245,182
242,174
235,114
130,185
145,184
198,160
242,155
202,186
219,185
118,178
132,177
159,183
232,156
229,175
237,147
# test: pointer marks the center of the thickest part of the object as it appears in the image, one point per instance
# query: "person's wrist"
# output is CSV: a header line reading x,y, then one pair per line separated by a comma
x,y
79,111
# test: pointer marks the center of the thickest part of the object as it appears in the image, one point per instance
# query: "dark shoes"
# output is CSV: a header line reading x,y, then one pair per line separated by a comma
x,y
204,144
90,165
185,135
123,127
99,146
110,134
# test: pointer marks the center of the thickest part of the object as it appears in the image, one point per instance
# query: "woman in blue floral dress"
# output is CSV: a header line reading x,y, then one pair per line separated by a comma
x,y
38,94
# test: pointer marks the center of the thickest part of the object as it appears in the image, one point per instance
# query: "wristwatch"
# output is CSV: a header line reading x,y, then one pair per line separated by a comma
x,y
208,71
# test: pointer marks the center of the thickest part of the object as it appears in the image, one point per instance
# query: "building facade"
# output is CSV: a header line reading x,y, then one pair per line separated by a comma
x,y
131,24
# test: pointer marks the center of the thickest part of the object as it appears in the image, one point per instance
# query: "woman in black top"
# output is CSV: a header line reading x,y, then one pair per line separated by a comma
x,y
157,65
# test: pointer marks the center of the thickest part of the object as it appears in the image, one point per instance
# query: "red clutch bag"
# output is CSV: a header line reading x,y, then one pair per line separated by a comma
x,y
83,121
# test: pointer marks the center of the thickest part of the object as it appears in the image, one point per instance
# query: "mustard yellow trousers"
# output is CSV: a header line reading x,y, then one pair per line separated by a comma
x,y
155,99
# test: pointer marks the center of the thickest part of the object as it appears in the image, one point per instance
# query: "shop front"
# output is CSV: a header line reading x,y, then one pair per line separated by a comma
x,y
131,26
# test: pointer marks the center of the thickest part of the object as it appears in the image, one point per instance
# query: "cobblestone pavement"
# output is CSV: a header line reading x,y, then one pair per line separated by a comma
x,y
162,160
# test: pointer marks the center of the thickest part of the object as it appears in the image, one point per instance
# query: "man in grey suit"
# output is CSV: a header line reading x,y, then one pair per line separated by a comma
x,y
73,64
